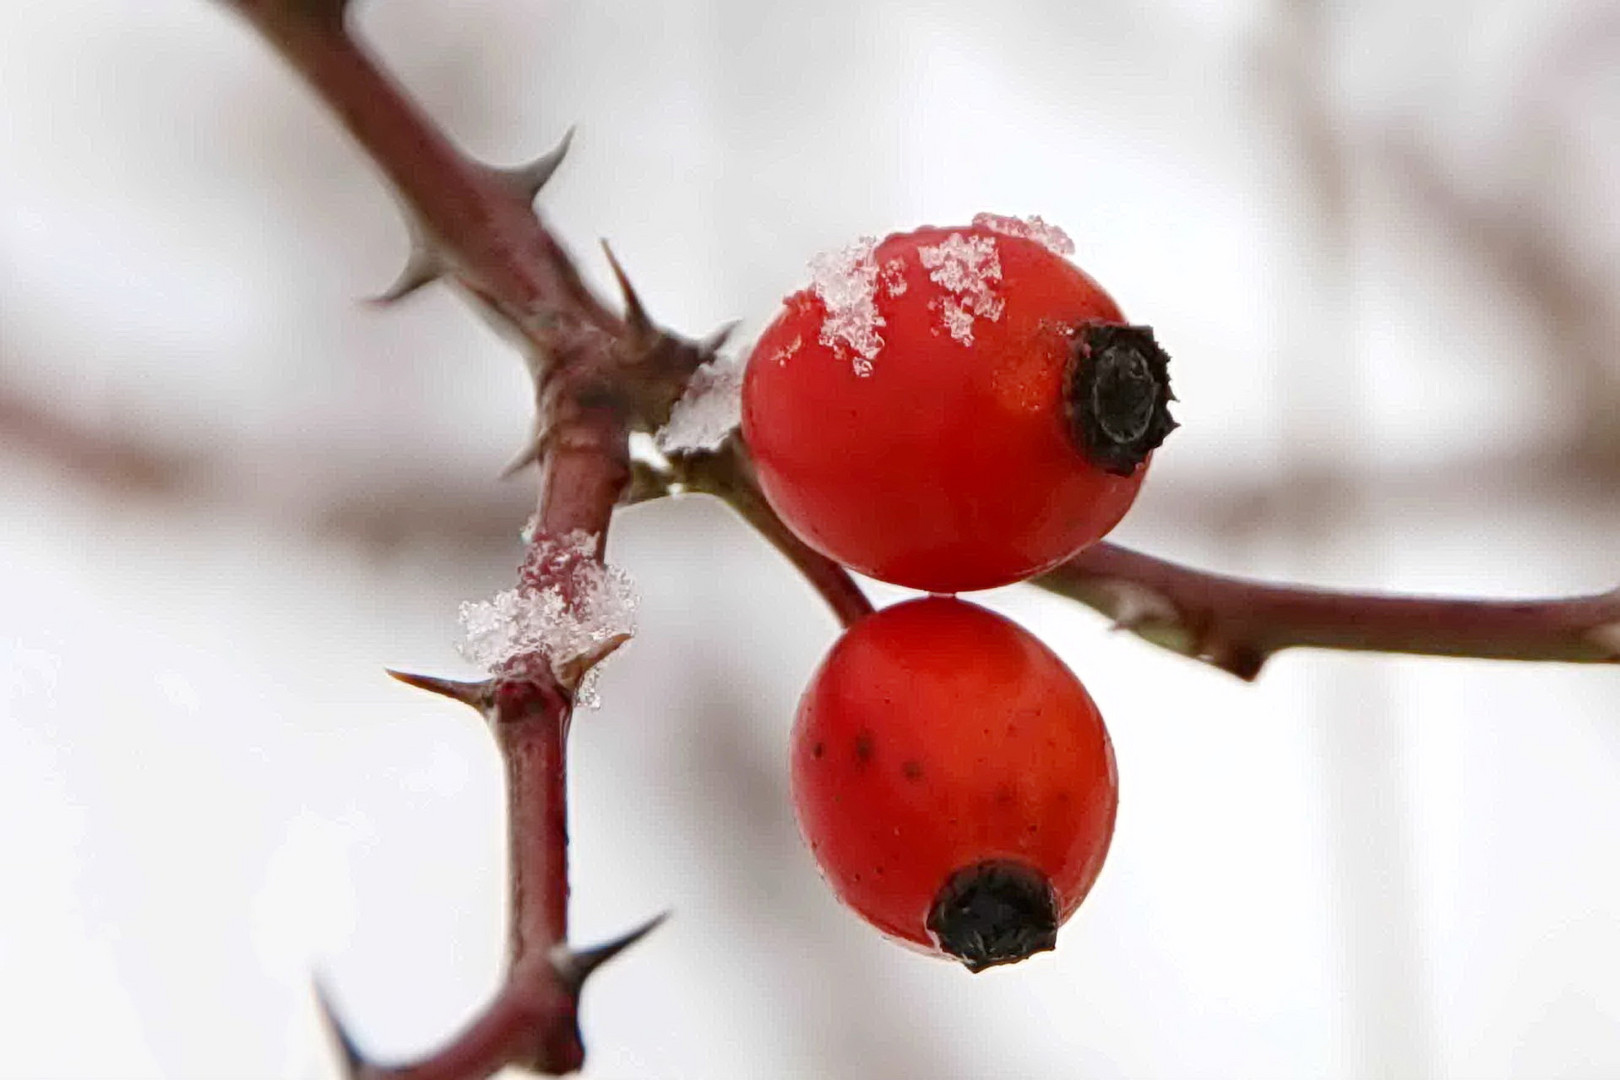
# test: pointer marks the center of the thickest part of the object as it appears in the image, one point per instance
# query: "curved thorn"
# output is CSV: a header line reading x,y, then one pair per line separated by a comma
x,y
718,337
353,1062
480,695
635,315
421,268
574,967
527,180
525,457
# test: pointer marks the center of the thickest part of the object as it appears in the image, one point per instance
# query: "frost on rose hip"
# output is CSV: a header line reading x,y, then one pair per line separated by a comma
x,y
968,270
566,609
845,281
953,408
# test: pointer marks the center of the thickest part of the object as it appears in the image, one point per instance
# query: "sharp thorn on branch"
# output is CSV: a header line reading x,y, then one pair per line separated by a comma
x,y
635,314
528,180
353,1062
574,967
718,337
480,695
421,268
525,457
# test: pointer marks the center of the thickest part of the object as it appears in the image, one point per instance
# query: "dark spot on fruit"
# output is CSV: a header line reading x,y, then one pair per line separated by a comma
x,y
817,750
1033,828
911,770
1005,796
863,747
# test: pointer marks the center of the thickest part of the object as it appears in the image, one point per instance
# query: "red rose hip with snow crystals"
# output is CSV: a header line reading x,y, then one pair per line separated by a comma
x,y
953,408
954,781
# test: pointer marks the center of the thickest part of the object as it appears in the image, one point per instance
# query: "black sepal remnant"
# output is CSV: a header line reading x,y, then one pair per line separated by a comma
x,y
1118,395
995,912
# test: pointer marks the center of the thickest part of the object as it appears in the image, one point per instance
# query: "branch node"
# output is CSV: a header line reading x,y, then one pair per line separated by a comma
x,y
528,180
479,695
574,967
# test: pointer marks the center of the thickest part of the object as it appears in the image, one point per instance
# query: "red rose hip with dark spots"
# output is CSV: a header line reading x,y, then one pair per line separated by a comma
x,y
954,781
953,408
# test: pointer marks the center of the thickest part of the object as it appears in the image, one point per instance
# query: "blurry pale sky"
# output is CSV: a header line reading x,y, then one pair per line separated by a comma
x,y
1383,246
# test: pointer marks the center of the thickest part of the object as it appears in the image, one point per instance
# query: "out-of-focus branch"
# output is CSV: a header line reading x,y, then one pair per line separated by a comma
x,y
107,459
597,376
1237,624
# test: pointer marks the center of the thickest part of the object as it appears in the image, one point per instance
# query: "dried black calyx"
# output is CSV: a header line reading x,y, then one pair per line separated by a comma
x,y
1118,395
995,912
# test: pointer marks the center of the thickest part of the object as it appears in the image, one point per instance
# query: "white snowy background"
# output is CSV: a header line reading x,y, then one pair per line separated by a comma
x,y
1382,242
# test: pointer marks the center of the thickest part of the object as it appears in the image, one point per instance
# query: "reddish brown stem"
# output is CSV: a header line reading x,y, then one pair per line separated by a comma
x,y
475,220
1234,623
1237,624
729,474
594,374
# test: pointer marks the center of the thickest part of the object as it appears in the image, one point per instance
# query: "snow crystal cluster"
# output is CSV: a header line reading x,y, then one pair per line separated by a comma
x,y
710,409
968,268
846,282
1050,237
567,606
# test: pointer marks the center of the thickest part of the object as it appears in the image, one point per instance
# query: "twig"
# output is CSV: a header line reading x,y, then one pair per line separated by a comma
x,y
597,378
1237,624
729,474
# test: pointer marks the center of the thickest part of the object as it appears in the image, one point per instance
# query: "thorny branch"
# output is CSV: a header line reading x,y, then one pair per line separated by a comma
x,y
597,378
600,376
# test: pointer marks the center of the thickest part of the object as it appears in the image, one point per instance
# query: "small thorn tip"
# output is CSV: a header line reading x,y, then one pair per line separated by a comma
x,y
353,1061
524,458
718,337
529,179
635,314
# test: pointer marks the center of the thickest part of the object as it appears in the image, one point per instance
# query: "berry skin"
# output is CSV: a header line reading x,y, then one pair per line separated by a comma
x,y
953,408
954,781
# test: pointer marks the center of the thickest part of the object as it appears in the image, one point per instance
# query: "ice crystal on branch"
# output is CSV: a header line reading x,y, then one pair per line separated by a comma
x,y
846,282
1050,237
967,267
710,409
567,610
